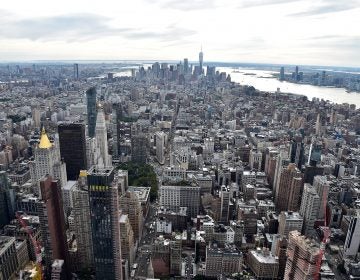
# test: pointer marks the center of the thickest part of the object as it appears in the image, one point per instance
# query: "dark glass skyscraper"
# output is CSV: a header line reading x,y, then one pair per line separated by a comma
x,y
7,200
73,148
105,226
91,110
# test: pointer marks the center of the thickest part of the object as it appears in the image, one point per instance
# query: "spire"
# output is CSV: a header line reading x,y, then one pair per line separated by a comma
x,y
44,140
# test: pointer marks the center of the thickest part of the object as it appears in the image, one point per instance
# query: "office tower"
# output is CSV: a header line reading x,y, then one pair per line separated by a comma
x,y
8,257
201,59
7,200
101,137
35,114
73,148
289,221
160,138
76,71
186,65
352,241
81,214
139,144
315,154
282,73
322,187
303,256
93,156
175,197
297,152
91,110
222,261
224,204
309,209
105,227
47,161
290,187
263,263
127,240
131,206
52,224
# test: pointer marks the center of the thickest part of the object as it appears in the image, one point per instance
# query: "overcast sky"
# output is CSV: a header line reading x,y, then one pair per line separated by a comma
x,y
317,32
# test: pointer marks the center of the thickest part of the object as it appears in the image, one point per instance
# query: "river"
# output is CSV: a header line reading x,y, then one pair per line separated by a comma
x,y
264,81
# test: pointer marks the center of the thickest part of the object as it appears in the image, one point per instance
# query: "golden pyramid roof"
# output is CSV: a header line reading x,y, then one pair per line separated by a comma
x,y
44,140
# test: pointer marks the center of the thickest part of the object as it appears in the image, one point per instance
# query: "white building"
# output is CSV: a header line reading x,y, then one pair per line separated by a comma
x,y
160,146
309,209
352,241
101,137
163,226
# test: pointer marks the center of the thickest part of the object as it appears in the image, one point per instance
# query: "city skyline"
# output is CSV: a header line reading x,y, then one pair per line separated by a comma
x,y
289,32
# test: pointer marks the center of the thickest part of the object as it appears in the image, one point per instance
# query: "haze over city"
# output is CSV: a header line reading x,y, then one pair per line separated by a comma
x,y
322,32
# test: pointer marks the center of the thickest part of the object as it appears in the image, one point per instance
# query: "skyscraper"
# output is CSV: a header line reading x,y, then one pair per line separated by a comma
x,y
52,223
105,227
352,241
302,259
101,137
282,73
290,186
81,214
322,187
7,203
91,110
309,209
225,203
160,146
76,71
201,59
47,161
73,148
186,65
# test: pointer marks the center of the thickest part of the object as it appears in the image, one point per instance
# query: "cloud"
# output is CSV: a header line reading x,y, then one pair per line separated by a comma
x,y
187,5
82,27
256,3
327,7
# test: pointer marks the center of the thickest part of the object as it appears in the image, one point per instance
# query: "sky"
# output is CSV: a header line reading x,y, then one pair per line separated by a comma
x,y
304,32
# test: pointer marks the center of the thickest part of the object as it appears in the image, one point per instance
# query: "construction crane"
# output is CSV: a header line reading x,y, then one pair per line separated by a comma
x,y
35,243
325,239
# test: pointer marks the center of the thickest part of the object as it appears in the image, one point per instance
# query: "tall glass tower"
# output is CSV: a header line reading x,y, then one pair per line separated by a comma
x,y
91,110
105,227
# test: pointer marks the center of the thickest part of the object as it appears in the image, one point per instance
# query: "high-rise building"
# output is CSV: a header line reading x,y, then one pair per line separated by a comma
x,y
186,65
303,256
105,227
81,215
131,206
139,144
225,204
7,200
278,249
201,60
101,137
160,138
289,221
282,73
35,113
127,240
76,71
290,187
175,255
91,111
47,161
309,209
322,187
73,148
352,241
52,224
8,257
174,197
